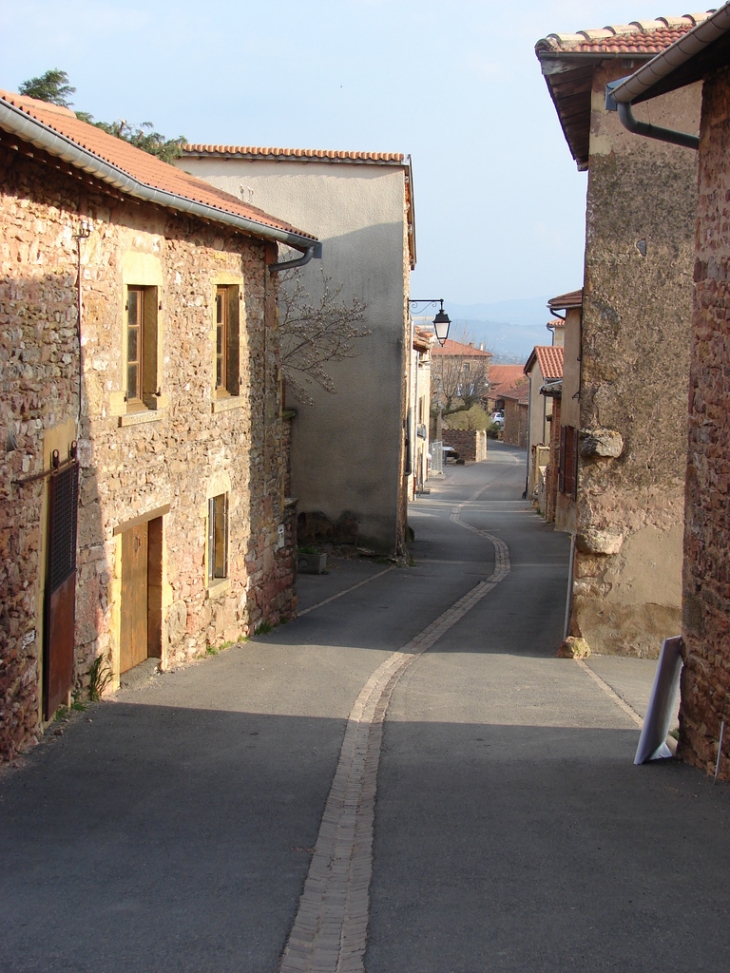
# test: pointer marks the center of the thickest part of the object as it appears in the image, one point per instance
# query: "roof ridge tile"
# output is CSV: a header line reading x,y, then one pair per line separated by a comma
x,y
194,148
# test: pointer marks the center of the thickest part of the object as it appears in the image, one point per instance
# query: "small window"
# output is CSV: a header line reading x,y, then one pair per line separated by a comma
x,y
226,340
141,347
218,537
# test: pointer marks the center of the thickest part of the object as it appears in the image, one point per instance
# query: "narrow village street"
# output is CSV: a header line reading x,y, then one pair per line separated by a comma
x,y
224,817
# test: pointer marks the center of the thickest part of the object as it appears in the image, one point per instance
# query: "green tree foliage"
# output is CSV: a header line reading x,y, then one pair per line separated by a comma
x,y
53,87
474,417
144,137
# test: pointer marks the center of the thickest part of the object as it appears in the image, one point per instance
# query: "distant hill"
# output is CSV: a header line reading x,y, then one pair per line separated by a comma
x,y
509,329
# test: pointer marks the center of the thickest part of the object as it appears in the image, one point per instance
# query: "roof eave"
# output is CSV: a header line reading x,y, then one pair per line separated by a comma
x,y
701,50
17,122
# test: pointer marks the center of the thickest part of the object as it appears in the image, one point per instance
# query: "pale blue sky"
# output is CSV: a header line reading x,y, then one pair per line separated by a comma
x,y
500,206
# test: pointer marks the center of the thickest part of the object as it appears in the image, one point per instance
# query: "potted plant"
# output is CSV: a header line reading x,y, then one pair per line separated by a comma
x,y
311,561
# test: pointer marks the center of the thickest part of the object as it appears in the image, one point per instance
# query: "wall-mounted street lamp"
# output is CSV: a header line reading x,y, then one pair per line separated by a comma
x,y
442,322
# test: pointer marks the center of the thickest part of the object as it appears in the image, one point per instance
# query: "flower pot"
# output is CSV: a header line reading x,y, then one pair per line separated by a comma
x,y
312,563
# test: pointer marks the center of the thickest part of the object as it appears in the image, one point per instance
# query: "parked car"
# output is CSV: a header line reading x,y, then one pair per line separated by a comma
x,y
498,419
449,453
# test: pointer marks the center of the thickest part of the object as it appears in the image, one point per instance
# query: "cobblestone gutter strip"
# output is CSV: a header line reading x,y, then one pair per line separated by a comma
x,y
329,934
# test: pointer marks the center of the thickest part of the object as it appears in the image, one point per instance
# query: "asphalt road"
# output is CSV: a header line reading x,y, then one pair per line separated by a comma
x,y
173,828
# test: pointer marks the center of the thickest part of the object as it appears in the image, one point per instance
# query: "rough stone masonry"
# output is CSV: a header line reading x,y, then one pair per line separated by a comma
x,y
163,463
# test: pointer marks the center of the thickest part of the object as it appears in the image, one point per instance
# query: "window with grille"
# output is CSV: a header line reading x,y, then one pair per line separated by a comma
x,y
218,537
141,347
227,339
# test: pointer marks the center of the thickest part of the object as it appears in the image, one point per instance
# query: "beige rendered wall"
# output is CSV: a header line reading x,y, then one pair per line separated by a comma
x,y
539,429
347,449
635,368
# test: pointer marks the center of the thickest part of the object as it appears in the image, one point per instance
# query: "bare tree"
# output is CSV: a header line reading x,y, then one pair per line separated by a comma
x,y
316,331
460,377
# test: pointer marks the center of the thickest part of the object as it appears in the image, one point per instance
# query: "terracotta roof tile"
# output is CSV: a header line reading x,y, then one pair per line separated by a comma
x,y
520,393
563,302
305,155
505,377
550,360
459,348
638,37
141,166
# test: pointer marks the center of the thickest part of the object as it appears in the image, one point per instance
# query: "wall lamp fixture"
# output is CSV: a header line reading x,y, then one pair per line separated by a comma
x,y
442,322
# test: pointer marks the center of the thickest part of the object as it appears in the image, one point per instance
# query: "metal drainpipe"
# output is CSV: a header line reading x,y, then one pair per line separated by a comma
x,y
314,251
626,117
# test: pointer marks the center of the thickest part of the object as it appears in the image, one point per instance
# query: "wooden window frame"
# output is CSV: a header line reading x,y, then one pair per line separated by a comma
x,y
227,340
144,391
217,538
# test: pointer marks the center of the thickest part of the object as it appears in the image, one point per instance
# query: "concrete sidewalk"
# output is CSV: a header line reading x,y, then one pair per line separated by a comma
x,y
175,828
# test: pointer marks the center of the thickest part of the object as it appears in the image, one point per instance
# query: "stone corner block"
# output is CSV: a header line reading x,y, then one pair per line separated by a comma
x,y
574,648
601,443
593,541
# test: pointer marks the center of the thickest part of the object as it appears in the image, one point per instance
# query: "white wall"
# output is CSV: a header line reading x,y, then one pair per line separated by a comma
x,y
346,448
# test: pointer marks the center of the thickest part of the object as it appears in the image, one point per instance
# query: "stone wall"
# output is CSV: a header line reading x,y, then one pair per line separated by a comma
x,y
470,444
706,621
170,459
635,367
515,423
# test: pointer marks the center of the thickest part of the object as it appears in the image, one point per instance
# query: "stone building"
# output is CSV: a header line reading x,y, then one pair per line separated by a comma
x,y
144,509
349,456
543,367
704,55
634,351
516,404
565,500
419,406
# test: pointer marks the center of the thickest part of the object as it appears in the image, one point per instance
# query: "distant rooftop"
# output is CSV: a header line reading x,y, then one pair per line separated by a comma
x,y
458,348
550,360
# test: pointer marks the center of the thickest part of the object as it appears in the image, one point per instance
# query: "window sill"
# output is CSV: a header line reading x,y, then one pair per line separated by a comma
x,y
228,402
144,415
216,589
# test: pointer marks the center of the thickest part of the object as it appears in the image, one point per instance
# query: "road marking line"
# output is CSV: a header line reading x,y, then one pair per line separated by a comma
x,y
329,934
621,703
319,604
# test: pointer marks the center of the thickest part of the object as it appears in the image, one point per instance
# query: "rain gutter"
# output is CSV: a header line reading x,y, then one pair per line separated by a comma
x,y
621,94
42,136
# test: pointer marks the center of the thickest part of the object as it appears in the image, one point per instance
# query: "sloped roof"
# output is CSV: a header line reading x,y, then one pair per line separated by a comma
x,y
568,62
423,338
458,348
564,302
503,377
304,155
130,170
520,393
691,58
637,37
550,360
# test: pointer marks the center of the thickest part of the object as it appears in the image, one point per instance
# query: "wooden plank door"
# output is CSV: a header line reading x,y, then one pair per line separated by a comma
x,y
60,588
135,547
